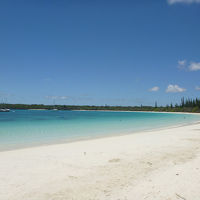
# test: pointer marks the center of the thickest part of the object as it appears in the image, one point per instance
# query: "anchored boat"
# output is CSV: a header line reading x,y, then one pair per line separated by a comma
x,y
4,110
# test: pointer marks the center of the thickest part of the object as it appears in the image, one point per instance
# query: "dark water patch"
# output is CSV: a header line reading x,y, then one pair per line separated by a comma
x,y
7,120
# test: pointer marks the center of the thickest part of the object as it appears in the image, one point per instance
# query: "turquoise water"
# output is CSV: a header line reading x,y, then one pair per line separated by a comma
x,y
21,128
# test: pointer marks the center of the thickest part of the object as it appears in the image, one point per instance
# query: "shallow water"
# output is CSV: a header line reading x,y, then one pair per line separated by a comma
x,y
23,128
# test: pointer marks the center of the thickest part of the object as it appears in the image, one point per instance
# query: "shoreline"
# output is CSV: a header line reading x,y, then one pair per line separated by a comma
x,y
195,113
190,113
90,138
137,111
152,165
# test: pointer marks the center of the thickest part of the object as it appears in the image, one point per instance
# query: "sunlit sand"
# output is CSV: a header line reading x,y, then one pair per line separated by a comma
x,y
154,165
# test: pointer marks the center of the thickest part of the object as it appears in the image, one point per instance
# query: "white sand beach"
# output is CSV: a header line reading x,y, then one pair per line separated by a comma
x,y
154,165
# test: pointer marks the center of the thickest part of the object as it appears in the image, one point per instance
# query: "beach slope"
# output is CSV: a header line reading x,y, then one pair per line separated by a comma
x,y
153,165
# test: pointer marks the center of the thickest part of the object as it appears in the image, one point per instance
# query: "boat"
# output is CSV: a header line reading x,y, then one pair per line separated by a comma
x,y
4,110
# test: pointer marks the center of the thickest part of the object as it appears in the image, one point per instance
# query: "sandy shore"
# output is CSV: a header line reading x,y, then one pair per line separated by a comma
x,y
155,165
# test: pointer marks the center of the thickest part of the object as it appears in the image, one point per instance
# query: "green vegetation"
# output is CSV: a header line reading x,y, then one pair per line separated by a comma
x,y
188,105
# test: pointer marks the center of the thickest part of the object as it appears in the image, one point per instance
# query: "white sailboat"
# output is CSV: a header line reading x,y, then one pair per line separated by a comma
x,y
3,103
4,110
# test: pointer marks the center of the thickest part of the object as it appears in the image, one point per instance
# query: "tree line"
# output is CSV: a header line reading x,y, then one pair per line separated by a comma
x,y
186,105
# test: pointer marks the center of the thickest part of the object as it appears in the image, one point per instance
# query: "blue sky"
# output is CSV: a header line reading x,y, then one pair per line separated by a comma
x,y
96,52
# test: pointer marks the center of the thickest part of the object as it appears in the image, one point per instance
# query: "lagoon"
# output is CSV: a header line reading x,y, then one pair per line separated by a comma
x,y
24,128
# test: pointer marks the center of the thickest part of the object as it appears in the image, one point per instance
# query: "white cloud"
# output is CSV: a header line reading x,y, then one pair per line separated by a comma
x,y
57,97
197,88
194,66
182,64
171,2
174,89
63,97
154,89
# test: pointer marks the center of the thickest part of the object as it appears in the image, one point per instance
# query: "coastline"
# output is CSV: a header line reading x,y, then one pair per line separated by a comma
x,y
153,165
109,135
195,113
190,113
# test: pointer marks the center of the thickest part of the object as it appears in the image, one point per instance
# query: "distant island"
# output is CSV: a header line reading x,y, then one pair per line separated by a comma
x,y
186,105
